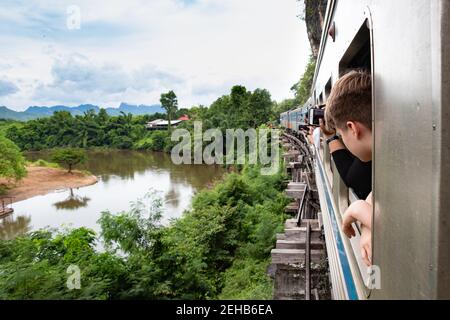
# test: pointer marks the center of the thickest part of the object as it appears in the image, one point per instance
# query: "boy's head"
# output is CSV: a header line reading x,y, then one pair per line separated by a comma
x,y
349,111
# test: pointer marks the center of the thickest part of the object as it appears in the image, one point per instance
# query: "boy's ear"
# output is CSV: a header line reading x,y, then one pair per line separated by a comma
x,y
354,128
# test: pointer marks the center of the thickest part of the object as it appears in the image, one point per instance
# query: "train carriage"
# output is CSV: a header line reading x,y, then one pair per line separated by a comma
x,y
406,46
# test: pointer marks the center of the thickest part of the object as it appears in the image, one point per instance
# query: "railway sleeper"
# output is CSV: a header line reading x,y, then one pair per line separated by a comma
x,y
295,256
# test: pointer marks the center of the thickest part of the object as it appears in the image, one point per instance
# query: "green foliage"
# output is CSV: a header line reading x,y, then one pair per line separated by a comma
x,y
154,141
218,249
285,105
241,109
43,163
35,267
12,162
302,89
247,280
69,157
6,124
62,130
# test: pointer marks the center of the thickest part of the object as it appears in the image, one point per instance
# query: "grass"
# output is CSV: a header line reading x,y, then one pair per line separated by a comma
x,y
43,163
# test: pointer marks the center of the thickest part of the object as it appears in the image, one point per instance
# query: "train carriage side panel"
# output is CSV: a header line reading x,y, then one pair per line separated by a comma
x,y
411,136
408,101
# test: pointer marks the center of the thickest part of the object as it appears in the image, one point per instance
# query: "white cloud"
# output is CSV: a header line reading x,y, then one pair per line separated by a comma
x,y
134,50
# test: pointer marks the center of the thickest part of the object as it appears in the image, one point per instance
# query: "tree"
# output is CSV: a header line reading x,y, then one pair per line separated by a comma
x,y
302,89
12,162
169,102
260,108
69,157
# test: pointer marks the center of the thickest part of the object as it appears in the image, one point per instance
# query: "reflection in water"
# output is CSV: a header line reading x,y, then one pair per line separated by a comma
x,y
124,177
11,227
73,202
172,197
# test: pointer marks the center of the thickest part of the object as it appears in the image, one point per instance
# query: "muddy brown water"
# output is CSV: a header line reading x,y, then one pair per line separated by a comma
x,y
124,177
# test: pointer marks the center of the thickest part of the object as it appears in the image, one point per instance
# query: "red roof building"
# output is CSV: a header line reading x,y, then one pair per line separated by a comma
x,y
184,118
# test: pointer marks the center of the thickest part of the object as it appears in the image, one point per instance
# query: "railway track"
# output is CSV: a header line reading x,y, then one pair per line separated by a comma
x,y
299,260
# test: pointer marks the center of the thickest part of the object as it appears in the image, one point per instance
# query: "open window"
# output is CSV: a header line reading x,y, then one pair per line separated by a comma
x,y
359,55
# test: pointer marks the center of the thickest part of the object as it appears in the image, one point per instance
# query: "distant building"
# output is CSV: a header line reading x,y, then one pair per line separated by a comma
x,y
184,118
160,124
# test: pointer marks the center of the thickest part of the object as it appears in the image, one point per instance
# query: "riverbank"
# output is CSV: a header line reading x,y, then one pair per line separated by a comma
x,y
43,180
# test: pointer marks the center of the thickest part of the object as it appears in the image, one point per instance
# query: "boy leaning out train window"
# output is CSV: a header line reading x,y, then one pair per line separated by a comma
x,y
349,112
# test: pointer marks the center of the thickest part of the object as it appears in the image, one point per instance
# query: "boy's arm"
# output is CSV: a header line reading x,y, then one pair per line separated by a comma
x,y
359,211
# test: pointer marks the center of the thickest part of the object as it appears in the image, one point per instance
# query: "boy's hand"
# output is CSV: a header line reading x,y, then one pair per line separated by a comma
x,y
347,227
359,211
366,245
326,132
352,215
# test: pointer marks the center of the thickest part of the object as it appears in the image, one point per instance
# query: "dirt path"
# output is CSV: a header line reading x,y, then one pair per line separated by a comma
x,y
41,181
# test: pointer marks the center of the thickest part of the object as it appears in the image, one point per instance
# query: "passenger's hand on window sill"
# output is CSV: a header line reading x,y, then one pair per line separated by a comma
x,y
366,245
359,211
347,225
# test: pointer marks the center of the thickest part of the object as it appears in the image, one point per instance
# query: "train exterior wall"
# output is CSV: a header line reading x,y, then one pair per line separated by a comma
x,y
408,144
411,137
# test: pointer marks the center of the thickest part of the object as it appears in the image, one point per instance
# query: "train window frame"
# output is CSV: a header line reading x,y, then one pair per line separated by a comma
x,y
328,88
343,196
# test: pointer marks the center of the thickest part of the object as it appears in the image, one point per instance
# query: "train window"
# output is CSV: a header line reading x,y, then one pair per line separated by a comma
x,y
359,55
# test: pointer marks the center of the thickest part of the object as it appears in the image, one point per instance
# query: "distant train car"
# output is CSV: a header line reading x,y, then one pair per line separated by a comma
x,y
284,118
295,120
406,46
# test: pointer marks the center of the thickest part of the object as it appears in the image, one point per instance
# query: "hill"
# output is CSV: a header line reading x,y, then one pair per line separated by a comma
x,y
35,112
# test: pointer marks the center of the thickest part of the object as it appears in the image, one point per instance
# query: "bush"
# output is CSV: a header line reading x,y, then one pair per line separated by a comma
x,y
12,162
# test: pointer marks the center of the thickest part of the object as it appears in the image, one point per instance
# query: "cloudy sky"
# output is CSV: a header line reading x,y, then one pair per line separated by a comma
x,y
106,52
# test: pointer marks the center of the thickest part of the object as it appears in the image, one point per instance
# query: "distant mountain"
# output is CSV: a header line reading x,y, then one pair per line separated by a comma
x,y
48,111
35,112
135,110
6,113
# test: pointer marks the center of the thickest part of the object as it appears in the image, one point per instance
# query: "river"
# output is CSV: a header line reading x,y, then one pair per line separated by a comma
x,y
124,177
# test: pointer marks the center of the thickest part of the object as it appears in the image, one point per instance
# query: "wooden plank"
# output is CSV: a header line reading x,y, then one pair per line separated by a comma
x,y
298,244
293,223
296,186
294,194
281,236
292,208
289,256
301,231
